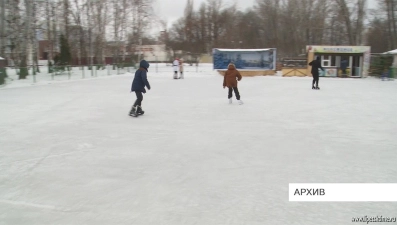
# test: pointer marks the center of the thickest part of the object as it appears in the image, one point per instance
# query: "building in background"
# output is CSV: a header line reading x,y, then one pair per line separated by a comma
x,y
153,53
356,57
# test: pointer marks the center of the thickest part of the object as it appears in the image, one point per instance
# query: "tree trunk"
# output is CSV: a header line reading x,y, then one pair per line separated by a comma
x,y
66,18
35,60
393,19
49,42
23,73
54,32
2,27
389,24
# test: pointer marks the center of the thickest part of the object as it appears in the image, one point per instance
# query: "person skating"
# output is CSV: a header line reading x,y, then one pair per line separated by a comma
x,y
316,65
138,86
232,75
175,66
343,67
181,68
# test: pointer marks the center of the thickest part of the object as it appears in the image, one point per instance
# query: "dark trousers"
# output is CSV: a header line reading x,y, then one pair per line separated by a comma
x,y
230,95
315,79
139,98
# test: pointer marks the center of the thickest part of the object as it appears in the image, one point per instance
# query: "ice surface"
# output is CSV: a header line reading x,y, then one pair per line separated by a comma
x,y
70,154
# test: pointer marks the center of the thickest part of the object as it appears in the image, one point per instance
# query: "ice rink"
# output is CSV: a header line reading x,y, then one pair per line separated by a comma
x,y
70,154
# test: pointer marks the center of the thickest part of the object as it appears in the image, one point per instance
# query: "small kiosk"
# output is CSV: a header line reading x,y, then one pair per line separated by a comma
x,y
356,59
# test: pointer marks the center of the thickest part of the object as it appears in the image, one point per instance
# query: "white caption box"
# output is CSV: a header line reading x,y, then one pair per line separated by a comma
x,y
343,192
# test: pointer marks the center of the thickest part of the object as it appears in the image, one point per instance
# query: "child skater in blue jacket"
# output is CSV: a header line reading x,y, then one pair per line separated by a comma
x,y
138,86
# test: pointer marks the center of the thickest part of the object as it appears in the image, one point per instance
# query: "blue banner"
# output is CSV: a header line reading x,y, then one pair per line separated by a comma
x,y
256,59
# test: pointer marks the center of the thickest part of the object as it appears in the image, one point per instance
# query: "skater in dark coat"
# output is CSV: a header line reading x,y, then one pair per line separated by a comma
x,y
230,80
343,67
316,65
138,86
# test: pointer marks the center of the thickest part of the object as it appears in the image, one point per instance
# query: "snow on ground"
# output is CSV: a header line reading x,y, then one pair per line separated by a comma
x,y
76,73
71,155
80,73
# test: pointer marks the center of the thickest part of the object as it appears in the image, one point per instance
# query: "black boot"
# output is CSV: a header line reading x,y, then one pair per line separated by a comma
x,y
139,110
133,111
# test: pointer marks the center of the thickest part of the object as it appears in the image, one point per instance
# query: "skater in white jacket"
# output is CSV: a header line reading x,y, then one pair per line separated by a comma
x,y
175,65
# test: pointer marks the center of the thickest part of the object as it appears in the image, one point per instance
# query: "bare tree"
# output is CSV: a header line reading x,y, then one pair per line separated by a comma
x,y
345,14
2,28
377,36
49,36
361,4
23,51
389,7
79,50
66,13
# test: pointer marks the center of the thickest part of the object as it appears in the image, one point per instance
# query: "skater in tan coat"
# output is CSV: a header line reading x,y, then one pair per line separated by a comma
x,y
181,68
232,76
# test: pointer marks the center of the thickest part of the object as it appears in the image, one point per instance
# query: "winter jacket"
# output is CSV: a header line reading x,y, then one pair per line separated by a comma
x,y
140,79
316,64
343,64
175,65
231,76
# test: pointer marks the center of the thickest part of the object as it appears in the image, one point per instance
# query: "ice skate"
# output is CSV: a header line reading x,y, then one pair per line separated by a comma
x,y
230,101
313,87
133,111
318,88
139,111
240,102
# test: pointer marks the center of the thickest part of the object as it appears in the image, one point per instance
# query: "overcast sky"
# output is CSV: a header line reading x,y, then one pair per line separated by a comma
x,y
171,10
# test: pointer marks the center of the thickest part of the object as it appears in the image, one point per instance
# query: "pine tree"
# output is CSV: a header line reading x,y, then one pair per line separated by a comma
x,y
3,75
65,56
